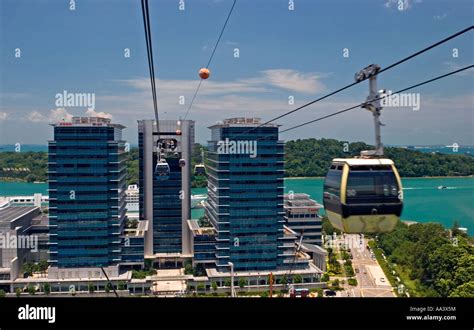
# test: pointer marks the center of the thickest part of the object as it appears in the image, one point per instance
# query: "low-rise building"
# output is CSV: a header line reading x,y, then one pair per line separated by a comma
x,y
302,216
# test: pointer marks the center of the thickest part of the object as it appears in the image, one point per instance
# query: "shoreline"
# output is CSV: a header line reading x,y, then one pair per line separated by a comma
x,y
404,177
307,177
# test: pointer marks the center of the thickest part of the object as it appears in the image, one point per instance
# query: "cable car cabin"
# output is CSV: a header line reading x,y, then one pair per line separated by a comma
x,y
162,170
363,195
199,169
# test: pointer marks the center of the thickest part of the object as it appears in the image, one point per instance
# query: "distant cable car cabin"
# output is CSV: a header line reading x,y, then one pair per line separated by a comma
x,y
199,169
162,170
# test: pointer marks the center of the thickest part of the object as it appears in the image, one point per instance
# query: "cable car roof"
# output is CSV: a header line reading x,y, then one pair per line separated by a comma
x,y
363,161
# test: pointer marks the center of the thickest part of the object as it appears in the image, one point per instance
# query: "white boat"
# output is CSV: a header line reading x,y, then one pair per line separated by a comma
x,y
197,199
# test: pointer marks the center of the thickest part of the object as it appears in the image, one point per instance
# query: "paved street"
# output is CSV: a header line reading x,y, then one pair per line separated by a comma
x,y
370,277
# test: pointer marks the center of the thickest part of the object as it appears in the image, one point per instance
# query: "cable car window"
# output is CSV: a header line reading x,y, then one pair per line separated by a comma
x,y
366,186
332,184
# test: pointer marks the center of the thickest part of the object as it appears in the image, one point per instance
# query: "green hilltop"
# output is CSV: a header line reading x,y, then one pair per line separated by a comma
x,y
304,158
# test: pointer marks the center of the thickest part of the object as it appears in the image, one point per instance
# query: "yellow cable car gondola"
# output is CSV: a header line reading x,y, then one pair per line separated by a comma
x,y
363,195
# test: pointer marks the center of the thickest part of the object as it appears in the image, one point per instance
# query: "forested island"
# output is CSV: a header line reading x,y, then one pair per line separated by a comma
x,y
312,157
304,158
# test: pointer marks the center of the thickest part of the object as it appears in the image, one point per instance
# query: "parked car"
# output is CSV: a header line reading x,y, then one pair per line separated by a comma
x,y
330,293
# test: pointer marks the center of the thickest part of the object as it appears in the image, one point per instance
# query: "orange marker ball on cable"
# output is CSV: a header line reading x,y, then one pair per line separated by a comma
x,y
204,73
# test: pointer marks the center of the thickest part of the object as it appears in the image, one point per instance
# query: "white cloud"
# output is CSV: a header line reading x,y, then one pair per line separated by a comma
x,y
440,17
92,113
36,117
3,115
455,66
54,116
294,81
59,114
265,81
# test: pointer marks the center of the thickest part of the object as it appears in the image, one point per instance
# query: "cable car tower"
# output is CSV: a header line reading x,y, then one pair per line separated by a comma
x,y
373,105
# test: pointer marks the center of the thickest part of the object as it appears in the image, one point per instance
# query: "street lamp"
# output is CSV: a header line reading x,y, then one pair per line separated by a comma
x,y
232,292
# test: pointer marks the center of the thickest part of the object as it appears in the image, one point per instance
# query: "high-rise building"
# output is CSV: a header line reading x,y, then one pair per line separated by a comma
x,y
166,203
87,182
245,167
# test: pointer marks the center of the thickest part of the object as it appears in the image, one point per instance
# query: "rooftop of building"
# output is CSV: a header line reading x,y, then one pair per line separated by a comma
x,y
139,231
242,122
196,229
311,269
88,122
40,220
300,200
307,247
11,213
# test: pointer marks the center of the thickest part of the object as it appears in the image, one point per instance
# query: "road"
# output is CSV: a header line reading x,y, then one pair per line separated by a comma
x,y
371,280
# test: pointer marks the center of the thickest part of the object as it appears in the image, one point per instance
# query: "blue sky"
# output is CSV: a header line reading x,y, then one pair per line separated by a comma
x,y
283,53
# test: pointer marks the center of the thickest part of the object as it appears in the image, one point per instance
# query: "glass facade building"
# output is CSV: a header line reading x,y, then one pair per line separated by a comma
x,y
87,182
203,243
167,210
245,167
166,203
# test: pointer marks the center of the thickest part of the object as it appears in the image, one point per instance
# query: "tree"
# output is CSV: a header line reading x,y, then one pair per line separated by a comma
x,y
188,268
27,268
214,285
455,229
327,227
465,290
284,280
18,292
352,281
201,287
47,288
122,286
43,265
108,287
242,282
91,287
31,289
2,294
227,282
325,277
297,278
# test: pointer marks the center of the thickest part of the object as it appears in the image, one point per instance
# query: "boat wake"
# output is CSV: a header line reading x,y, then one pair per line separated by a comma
x,y
437,188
